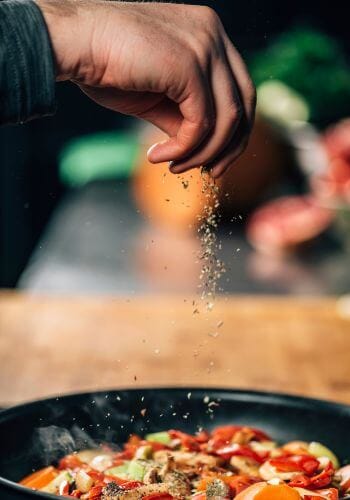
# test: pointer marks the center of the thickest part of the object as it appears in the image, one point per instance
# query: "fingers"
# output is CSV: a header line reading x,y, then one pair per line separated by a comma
x,y
228,114
228,158
244,82
196,108
234,102
165,115
247,91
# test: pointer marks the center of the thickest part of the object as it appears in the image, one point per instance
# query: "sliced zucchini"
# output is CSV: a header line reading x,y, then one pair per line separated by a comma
x,y
136,470
162,437
319,450
119,470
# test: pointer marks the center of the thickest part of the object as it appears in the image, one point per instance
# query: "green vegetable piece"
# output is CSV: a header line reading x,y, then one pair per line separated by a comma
x,y
319,450
136,470
159,437
119,471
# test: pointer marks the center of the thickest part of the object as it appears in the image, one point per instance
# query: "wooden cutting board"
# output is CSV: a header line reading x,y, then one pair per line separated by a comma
x,y
56,345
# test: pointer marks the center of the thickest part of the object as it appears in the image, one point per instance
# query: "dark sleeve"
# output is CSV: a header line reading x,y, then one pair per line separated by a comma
x,y
27,73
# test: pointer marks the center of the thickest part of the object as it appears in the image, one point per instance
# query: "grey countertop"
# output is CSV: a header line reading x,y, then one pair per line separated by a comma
x,y
98,242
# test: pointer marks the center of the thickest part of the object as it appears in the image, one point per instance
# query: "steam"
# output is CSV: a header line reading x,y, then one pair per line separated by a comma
x,y
54,442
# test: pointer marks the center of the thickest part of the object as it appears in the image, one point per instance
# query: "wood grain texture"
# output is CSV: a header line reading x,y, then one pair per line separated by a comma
x,y
56,345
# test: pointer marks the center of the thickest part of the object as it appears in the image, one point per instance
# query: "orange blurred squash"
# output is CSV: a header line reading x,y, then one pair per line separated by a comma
x,y
175,201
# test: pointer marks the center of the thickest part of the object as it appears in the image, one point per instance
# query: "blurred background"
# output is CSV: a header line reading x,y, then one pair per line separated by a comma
x,y
83,212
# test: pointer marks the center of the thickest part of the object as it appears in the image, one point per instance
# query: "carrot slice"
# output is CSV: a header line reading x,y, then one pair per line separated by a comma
x,y
40,478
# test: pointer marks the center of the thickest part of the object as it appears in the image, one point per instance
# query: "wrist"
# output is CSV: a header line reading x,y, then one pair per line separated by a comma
x,y
61,18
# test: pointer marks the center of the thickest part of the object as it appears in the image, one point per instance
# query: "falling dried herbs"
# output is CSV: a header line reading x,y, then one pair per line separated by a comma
x,y
212,267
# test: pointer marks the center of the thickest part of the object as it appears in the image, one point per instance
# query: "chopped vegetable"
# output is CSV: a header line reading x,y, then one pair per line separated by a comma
x,y
159,437
119,471
319,450
40,479
230,462
136,470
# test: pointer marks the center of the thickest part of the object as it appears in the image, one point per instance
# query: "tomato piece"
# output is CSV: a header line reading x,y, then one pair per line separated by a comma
x,y
240,450
296,463
40,478
158,496
70,462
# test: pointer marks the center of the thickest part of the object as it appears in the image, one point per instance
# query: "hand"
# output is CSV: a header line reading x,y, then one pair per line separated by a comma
x,y
172,65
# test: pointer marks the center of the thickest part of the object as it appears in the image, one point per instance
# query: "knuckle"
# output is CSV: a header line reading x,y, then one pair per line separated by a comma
x,y
210,16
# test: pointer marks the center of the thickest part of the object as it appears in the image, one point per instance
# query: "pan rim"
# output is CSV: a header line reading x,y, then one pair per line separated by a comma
x,y
266,397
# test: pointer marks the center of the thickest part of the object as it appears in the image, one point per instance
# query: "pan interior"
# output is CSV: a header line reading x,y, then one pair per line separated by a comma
x,y
37,434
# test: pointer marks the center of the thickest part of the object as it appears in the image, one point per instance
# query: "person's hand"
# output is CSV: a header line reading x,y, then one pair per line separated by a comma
x,y
172,65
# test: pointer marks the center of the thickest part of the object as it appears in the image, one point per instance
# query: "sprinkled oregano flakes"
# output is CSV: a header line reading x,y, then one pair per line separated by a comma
x,y
212,267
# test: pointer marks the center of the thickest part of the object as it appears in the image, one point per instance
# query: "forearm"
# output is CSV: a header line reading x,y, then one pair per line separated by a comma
x,y
27,74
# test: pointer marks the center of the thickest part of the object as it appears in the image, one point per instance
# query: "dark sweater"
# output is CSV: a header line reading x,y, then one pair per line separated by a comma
x,y
27,73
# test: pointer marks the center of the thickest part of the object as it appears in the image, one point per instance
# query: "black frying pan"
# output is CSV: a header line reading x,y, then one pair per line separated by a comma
x,y
35,434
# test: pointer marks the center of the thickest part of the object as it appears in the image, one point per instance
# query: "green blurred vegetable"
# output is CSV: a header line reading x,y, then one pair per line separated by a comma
x,y
104,155
312,64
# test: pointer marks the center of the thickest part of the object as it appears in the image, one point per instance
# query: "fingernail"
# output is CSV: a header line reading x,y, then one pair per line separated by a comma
x,y
176,169
215,172
151,149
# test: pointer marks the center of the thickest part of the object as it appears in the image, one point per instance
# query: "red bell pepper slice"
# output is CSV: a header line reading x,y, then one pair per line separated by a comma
x,y
95,493
189,442
240,450
130,485
226,432
321,480
71,462
296,463
222,436
330,494
239,483
76,494
158,496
